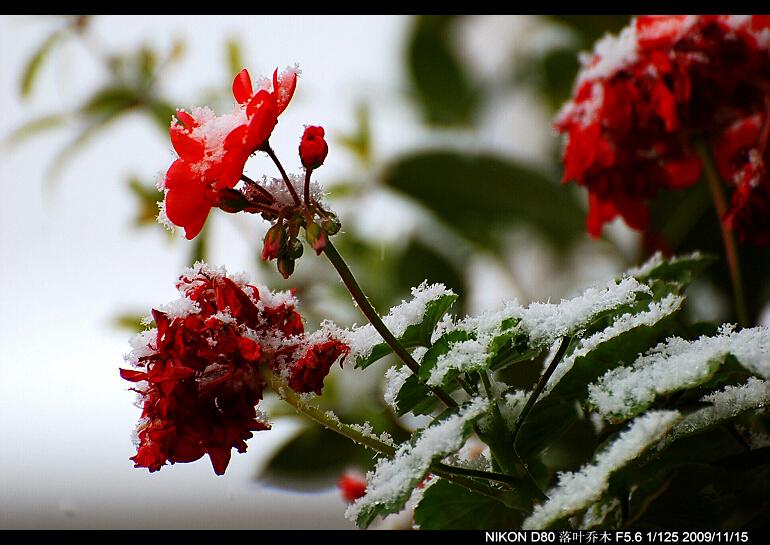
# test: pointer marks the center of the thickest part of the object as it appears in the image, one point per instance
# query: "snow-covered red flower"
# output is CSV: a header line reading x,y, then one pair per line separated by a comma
x,y
313,148
213,150
198,372
642,97
309,372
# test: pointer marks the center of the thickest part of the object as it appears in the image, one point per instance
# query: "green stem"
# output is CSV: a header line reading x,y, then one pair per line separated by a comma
x,y
368,310
457,475
326,420
731,252
267,149
487,475
308,172
539,389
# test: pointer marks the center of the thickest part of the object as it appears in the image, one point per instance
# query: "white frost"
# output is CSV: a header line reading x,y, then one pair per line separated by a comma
x,y
578,490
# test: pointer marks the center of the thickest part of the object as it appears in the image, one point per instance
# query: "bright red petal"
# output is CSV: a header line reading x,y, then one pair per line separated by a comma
x,y
242,89
188,208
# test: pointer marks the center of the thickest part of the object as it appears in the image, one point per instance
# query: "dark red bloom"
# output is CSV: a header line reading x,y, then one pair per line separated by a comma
x,y
642,97
313,148
198,372
352,486
309,372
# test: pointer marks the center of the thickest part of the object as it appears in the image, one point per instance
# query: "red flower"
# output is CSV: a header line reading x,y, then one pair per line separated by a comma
x,y
313,148
264,106
309,372
352,486
210,160
213,150
642,96
198,372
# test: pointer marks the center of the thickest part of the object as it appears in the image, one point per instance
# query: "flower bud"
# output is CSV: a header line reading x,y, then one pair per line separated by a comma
x,y
313,147
295,248
231,200
275,241
285,266
331,224
316,237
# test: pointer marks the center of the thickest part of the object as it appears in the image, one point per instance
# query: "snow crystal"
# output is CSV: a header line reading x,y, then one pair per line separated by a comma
x,y
725,404
512,406
677,363
395,378
363,339
283,197
611,54
656,311
543,323
141,346
163,219
179,308
578,490
657,260
394,478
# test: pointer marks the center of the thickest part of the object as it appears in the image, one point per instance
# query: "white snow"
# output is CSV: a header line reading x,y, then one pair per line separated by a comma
x,y
725,404
363,339
675,364
656,311
578,490
395,377
610,54
543,323
395,478
283,197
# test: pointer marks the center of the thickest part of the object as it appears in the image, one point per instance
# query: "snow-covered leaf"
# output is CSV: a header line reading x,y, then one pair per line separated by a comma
x,y
412,323
392,482
578,490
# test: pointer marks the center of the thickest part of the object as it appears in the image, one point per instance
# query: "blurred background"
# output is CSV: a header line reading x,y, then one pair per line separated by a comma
x,y
442,166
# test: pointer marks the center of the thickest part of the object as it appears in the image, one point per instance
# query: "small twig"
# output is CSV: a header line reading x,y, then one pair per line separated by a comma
x,y
267,149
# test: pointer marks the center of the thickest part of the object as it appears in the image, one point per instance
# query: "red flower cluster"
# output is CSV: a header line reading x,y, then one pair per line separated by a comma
x,y
198,373
642,97
213,149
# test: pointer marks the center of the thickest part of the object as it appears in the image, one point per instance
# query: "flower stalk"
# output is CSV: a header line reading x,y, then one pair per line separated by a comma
x,y
728,240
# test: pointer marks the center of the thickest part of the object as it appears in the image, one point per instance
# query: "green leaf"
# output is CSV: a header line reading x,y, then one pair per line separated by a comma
x,y
160,112
109,101
415,397
359,142
411,465
131,321
480,194
34,127
32,68
313,460
554,413
447,506
147,197
439,348
441,85
414,335
234,57
679,270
